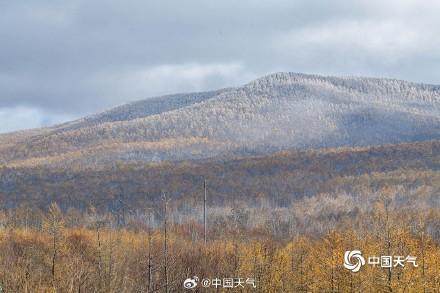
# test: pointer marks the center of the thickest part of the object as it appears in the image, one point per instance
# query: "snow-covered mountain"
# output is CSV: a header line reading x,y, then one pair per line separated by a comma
x,y
282,110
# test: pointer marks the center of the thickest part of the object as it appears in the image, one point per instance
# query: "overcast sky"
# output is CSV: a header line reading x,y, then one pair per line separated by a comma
x,y
60,60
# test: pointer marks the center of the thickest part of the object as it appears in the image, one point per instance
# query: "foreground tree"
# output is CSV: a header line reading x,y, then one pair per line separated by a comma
x,y
54,225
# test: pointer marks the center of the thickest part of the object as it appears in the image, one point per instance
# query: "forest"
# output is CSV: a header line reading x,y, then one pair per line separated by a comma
x,y
275,223
267,181
73,251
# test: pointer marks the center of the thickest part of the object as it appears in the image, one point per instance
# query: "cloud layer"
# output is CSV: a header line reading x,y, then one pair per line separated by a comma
x,y
68,59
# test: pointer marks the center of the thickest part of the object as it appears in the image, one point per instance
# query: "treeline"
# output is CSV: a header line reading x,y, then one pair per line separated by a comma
x,y
313,216
50,252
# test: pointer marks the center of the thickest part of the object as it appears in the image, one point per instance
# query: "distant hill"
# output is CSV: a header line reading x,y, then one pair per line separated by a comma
x,y
276,180
279,111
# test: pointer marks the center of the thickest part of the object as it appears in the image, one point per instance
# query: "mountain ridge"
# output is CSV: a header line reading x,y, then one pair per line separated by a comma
x,y
275,112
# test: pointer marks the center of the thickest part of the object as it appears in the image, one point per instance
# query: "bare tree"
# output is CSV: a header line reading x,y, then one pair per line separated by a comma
x,y
54,224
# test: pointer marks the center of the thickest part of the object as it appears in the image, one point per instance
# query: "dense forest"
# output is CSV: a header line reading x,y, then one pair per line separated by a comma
x,y
78,251
282,222
271,181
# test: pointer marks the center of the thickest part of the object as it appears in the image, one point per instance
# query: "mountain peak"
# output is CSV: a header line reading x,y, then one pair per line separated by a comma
x,y
278,111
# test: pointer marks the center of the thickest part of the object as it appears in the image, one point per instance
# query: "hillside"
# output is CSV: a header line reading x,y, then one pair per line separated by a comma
x,y
279,111
277,180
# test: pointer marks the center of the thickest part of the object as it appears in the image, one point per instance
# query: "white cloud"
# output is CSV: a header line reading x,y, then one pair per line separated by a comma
x,y
20,117
142,82
389,40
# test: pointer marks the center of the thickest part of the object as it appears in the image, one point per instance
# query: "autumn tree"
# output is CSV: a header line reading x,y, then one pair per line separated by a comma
x,y
54,225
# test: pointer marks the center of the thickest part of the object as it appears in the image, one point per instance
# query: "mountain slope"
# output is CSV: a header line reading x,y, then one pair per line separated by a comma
x,y
283,110
280,178
139,109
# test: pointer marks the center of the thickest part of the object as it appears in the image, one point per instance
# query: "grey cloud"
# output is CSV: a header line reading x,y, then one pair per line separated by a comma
x,y
73,58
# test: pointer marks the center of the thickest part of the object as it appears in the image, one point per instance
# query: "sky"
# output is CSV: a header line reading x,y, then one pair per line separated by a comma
x,y
61,60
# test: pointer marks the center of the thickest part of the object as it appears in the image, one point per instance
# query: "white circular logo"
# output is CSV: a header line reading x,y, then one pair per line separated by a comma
x,y
355,255
190,283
